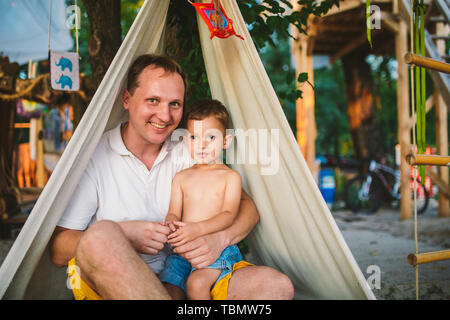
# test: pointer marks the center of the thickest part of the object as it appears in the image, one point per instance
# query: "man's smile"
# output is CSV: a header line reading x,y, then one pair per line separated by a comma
x,y
157,125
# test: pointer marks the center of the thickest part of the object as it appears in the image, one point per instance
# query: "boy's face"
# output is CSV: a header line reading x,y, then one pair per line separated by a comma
x,y
206,140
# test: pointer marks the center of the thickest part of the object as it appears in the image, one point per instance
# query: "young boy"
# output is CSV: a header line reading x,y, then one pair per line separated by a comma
x,y
205,199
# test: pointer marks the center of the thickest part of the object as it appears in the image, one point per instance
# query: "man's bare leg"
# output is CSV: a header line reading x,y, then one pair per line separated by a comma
x,y
198,285
111,265
259,283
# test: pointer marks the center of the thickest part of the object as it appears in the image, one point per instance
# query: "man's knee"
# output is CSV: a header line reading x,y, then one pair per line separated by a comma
x,y
283,285
98,241
279,286
267,283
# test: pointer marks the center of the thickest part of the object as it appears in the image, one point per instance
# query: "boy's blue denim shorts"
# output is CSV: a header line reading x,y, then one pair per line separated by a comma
x,y
178,269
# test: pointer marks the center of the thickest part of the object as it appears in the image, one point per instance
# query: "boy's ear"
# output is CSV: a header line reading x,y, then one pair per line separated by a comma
x,y
227,141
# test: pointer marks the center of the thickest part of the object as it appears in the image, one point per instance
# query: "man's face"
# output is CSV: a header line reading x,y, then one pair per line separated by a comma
x,y
156,106
206,140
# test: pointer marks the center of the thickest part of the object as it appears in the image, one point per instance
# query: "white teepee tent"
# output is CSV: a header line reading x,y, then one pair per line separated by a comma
x,y
296,234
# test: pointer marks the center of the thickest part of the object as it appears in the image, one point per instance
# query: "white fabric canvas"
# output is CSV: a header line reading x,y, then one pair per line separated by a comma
x,y
296,234
27,272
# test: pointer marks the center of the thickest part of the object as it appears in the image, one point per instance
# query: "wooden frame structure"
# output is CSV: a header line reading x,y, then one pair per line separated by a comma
x,y
341,31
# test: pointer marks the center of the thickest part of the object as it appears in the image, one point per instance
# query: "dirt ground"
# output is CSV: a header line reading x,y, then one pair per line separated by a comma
x,y
382,239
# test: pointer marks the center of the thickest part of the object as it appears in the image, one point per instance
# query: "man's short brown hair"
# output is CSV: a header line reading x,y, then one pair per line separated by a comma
x,y
205,108
145,60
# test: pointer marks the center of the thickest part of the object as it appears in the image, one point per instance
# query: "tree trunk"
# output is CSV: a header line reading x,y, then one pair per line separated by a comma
x,y
106,34
360,112
8,202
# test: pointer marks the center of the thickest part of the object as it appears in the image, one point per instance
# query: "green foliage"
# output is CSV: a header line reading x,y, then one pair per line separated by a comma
x,y
333,132
269,17
129,10
277,62
420,80
84,34
385,93
182,15
368,25
266,20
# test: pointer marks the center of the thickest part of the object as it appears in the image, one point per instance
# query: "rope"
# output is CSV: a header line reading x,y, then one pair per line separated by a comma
x,y
49,23
15,96
411,68
76,25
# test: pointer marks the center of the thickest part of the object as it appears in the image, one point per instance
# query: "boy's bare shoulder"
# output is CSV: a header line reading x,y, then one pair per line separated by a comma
x,y
231,174
182,174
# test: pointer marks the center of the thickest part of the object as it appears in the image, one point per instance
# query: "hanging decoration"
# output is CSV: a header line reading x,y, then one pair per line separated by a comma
x,y
216,19
64,66
64,71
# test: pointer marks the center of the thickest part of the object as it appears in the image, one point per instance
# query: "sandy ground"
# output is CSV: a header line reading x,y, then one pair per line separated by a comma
x,y
382,239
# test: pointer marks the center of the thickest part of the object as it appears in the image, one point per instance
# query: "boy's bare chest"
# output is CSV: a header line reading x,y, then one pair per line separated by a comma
x,y
202,185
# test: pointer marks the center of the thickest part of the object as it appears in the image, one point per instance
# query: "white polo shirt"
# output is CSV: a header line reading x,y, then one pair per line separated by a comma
x,y
117,186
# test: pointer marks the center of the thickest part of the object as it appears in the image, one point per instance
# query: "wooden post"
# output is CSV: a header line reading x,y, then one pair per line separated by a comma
x,y
404,138
441,111
40,171
306,123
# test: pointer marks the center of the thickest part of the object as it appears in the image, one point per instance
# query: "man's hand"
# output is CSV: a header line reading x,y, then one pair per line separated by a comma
x,y
146,236
204,250
186,231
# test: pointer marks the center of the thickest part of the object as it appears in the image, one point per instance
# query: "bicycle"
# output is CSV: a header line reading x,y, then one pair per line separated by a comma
x,y
367,193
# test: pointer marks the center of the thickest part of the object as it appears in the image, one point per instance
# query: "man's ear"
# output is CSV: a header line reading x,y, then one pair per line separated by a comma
x,y
126,98
227,141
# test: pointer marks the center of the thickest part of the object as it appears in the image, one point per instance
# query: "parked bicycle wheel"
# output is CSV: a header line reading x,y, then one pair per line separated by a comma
x,y
422,197
364,194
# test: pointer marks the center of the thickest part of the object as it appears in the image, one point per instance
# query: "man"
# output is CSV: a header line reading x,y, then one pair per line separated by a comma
x,y
111,229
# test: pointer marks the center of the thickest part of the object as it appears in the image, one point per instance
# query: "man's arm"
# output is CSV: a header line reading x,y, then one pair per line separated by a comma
x,y
244,223
231,201
203,251
145,236
63,245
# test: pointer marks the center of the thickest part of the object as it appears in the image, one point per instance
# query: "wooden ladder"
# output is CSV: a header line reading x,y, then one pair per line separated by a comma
x,y
440,79
439,71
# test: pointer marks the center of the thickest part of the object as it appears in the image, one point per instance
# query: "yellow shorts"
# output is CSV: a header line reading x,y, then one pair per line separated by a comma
x,y
82,291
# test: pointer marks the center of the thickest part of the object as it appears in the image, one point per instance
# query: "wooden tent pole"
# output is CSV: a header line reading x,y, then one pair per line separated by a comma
x,y
404,138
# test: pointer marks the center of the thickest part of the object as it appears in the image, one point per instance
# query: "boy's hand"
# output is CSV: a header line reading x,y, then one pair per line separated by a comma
x,y
186,231
171,225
